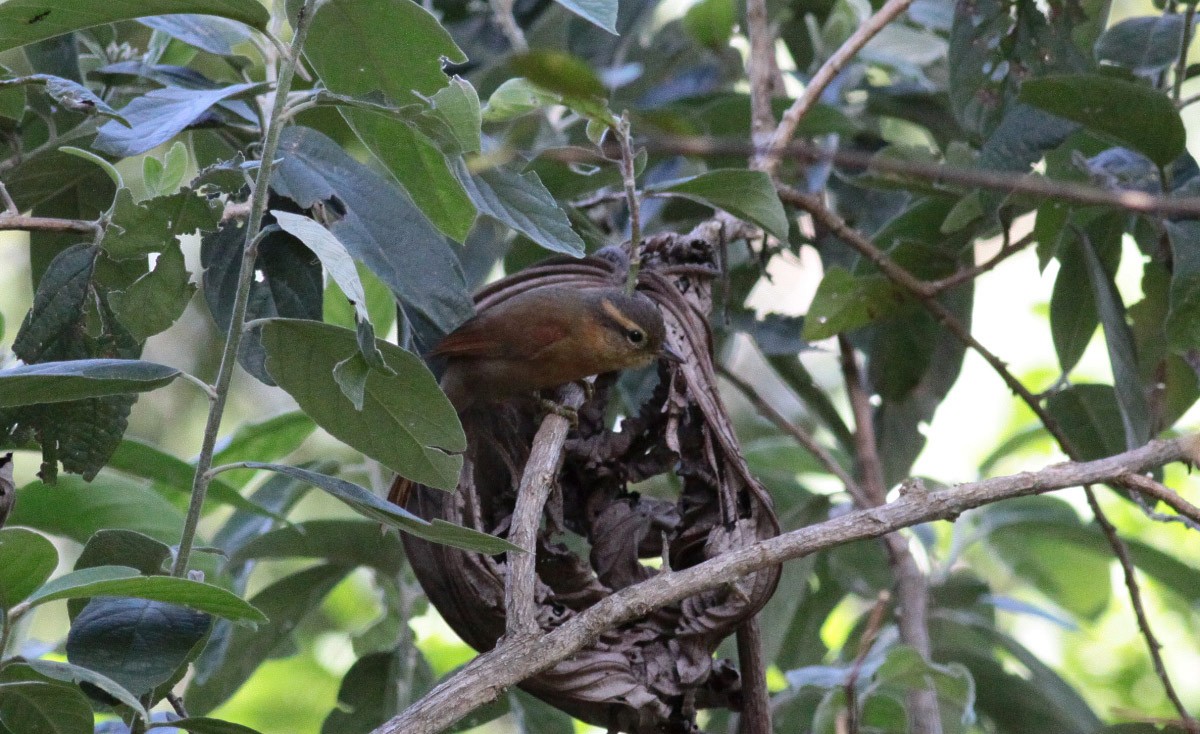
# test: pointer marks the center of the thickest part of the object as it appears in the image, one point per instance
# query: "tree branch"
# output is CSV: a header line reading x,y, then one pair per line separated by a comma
x,y
18,222
769,160
760,67
928,299
912,587
483,679
1133,201
541,470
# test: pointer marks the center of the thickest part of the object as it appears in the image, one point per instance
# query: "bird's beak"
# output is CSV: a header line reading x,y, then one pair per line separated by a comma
x,y
670,354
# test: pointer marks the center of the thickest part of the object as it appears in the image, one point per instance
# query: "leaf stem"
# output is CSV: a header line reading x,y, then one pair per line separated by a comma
x,y
233,340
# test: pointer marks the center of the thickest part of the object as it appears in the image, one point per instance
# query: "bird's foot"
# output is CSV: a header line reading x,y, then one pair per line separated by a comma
x,y
570,414
589,390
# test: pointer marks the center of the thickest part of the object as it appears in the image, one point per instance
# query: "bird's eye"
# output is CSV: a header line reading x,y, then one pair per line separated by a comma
x,y
635,336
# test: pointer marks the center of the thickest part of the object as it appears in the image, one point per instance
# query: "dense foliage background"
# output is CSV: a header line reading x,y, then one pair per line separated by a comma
x,y
425,149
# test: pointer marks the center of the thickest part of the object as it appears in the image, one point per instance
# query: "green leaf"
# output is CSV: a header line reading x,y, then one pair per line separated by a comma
x,y
126,582
434,296
346,542
523,203
407,41
374,689
1183,316
458,104
1131,396
406,423
1145,45
331,253
154,301
26,21
148,462
516,97
361,500
203,725
602,13
138,643
711,22
44,708
68,673
88,155
287,602
563,74
77,509
1131,114
267,440
141,229
1091,417
845,302
747,195
56,382
209,33
1073,317
161,114
26,560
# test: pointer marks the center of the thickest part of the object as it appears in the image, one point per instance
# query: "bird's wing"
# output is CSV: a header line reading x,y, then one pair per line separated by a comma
x,y
480,337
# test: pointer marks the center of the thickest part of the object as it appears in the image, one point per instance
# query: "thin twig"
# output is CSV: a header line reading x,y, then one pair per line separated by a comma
x,y
1189,514
47,224
10,207
1134,201
802,437
911,585
919,289
967,274
503,12
1189,20
769,160
870,632
233,339
483,679
629,176
538,478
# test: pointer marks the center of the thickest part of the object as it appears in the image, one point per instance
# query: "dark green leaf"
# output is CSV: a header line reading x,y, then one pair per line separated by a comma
x,y
1183,317
143,460
711,22
369,694
125,548
267,440
1144,45
749,195
286,602
138,643
364,502
523,203
407,41
26,560
1091,418
26,21
209,33
77,510
845,302
159,115
1133,115
154,301
560,73
1073,317
69,673
202,725
120,581
406,423
43,708
1131,396
344,542
152,225
56,382
434,296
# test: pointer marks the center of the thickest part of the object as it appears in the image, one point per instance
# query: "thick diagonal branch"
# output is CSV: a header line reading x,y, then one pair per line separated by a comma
x,y
487,676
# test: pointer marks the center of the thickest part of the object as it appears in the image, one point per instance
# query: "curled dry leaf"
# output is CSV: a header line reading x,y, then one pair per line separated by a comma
x,y
654,674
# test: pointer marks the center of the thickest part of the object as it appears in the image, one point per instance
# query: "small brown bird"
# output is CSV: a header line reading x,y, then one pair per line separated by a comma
x,y
547,337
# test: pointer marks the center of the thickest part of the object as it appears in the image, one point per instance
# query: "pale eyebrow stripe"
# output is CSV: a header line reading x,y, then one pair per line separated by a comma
x,y
615,314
